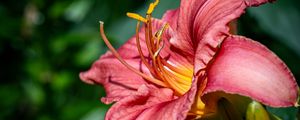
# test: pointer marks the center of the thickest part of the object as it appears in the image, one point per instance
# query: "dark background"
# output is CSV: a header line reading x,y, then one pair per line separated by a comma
x,y
44,44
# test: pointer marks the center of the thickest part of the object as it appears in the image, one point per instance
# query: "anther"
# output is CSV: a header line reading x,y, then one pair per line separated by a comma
x,y
137,17
159,33
161,30
152,6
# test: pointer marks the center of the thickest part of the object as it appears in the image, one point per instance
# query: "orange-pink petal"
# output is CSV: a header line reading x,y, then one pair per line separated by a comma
x,y
200,25
245,67
118,81
151,103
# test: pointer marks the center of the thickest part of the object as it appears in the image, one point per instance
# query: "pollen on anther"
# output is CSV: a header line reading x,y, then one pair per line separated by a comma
x,y
137,17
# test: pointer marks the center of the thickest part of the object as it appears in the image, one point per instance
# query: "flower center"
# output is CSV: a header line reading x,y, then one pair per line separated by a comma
x,y
162,72
175,77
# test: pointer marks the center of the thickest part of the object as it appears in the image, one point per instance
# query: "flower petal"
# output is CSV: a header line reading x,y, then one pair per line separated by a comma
x,y
117,80
171,17
202,24
176,109
153,104
131,106
248,68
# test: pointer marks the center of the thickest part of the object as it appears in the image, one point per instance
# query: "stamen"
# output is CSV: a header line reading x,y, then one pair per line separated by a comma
x,y
152,6
157,70
159,33
136,16
178,82
150,46
157,52
148,42
149,33
156,62
161,30
140,49
116,54
148,17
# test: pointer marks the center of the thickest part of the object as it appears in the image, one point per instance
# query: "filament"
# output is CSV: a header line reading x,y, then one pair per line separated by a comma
x,y
140,49
116,54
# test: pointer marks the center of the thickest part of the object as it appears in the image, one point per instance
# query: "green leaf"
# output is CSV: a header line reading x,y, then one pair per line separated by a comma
x,y
77,10
62,80
35,93
289,113
90,52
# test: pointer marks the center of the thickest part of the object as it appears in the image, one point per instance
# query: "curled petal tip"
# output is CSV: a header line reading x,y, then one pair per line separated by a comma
x,y
85,78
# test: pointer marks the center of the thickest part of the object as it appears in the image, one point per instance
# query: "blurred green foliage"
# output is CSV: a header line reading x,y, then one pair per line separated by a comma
x,y
45,44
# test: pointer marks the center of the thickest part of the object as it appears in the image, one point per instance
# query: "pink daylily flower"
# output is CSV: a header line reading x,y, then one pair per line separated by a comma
x,y
167,68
